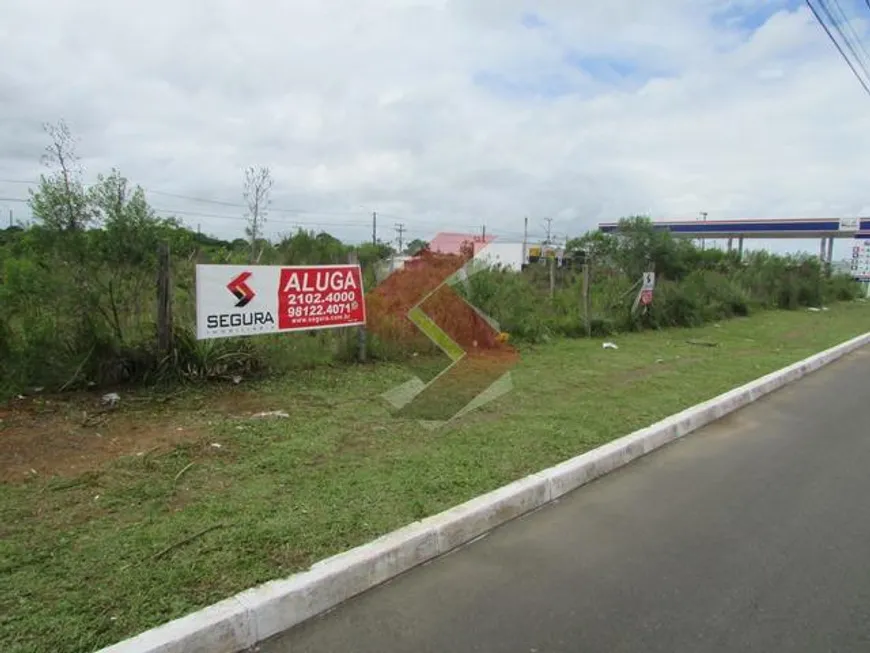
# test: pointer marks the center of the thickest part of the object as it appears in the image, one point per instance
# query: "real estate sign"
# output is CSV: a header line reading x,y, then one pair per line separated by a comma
x,y
247,300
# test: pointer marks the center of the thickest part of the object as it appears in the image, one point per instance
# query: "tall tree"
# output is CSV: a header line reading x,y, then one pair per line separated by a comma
x,y
61,203
416,246
258,188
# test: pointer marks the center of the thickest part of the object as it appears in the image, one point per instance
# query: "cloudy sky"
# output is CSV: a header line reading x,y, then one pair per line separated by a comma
x,y
443,113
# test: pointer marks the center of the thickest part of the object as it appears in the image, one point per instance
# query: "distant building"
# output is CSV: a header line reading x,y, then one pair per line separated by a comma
x,y
452,242
489,250
506,255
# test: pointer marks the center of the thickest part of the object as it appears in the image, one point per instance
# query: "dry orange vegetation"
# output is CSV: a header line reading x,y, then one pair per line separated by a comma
x,y
422,282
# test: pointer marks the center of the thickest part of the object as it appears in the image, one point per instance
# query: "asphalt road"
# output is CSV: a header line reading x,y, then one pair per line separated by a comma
x,y
751,535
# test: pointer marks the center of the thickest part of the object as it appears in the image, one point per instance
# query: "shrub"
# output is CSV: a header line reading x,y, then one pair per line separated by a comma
x,y
511,299
718,296
674,305
79,308
842,288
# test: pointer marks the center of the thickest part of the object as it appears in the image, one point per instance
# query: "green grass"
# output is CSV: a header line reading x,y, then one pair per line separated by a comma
x,y
80,572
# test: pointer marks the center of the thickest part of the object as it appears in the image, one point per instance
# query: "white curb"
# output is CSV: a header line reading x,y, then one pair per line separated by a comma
x,y
240,622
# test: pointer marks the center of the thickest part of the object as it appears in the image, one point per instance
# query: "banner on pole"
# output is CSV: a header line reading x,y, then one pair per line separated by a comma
x,y
248,300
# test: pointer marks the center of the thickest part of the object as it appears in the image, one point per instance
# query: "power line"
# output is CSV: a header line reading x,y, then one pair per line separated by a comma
x,y
196,199
417,230
272,209
857,39
838,27
205,200
839,49
839,31
220,216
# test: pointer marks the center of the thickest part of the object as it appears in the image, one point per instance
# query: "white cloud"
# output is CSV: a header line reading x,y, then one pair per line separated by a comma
x,y
444,112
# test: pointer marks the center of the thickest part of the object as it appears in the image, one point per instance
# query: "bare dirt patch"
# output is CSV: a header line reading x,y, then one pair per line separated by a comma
x,y
640,373
70,435
67,438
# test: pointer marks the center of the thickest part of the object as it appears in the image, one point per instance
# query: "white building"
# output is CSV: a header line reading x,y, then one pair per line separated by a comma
x,y
508,255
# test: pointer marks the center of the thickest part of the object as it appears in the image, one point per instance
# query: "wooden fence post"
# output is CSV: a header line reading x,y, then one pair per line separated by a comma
x,y
552,277
353,259
586,315
164,300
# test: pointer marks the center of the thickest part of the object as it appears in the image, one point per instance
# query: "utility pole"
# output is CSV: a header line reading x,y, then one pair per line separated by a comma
x,y
703,219
375,228
484,233
525,240
10,219
400,228
552,264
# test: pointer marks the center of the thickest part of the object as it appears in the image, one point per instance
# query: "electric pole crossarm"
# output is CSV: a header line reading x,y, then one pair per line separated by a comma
x,y
400,229
549,222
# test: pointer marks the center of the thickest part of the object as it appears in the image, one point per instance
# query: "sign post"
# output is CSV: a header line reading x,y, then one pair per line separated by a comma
x,y
246,300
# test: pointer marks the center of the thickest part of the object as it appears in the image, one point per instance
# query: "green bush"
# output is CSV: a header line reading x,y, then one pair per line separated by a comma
x,y
79,306
717,296
510,299
842,288
601,326
675,305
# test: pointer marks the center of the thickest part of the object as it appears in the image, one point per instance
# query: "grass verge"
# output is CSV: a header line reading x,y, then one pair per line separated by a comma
x,y
97,554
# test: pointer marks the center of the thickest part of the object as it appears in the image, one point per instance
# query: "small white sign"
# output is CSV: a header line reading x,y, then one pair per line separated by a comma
x,y
649,281
849,224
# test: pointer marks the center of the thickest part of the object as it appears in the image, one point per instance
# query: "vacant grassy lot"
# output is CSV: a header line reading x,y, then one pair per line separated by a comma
x,y
113,523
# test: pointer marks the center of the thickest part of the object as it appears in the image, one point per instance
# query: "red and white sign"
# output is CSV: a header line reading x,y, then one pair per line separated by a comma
x,y
320,297
646,297
236,300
